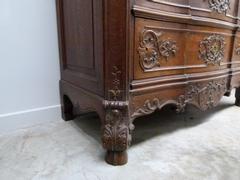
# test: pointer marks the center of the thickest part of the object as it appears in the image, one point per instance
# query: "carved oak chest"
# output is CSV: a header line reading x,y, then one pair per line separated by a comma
x,y
127,58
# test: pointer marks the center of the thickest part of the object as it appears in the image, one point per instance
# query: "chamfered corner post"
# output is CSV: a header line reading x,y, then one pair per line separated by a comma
x,y
117,126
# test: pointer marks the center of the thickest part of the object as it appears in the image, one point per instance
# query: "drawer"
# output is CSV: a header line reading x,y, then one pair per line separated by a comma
x,y
158,50
163,48
226,10
208,49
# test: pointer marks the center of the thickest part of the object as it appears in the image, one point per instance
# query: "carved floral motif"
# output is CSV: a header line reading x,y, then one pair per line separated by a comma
x,y
212,49
152,49
115,92
167,48
202,95
220,6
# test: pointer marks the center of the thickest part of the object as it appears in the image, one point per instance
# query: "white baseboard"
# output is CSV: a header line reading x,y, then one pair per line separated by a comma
x,y
23,119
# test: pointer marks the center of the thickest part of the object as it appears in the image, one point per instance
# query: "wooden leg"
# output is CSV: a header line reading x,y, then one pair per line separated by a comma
x,y
67,108
116,158
116,136
237,95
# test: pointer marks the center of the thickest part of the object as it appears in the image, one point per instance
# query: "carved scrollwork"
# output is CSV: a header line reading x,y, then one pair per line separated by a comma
x,y
202,95
149,107
152,49
220,6
212,49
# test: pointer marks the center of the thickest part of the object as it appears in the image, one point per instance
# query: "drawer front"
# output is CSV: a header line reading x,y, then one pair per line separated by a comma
x,y
226,10
163,48
236,51
208,49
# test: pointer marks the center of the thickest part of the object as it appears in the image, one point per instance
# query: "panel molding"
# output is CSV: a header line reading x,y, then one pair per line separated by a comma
x,y
191,7
89,78
156,14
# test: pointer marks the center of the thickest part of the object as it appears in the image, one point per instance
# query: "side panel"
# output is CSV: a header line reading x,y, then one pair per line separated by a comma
x,y
81,43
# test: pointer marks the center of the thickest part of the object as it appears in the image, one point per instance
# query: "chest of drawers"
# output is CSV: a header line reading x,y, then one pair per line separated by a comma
x,y
128,58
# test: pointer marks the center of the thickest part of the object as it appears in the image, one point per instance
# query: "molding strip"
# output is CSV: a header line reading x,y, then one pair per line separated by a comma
x,y
145,12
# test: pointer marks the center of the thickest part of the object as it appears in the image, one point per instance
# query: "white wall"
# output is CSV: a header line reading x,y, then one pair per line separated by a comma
x,y
29,67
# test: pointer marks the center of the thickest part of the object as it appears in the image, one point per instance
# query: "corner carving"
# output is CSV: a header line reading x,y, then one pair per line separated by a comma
x,y
152,49
202,95
220,6
116,130
212,49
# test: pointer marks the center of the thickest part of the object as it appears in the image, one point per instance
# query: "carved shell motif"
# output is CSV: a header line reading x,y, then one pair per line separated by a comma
x,y
221,6
152,49
212,49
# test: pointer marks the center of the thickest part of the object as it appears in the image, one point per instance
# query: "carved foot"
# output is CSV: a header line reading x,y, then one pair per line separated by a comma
x,y
237,95
116,158
67,109
116,136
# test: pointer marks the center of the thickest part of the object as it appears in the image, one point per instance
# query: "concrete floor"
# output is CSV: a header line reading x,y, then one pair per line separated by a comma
x,y
166,146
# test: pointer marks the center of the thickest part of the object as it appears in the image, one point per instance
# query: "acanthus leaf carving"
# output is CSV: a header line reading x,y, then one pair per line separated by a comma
x,y
212,49
152,49
115,132
116,128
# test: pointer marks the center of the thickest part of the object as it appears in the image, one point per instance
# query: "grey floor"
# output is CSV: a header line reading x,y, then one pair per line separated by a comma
x,y
166,146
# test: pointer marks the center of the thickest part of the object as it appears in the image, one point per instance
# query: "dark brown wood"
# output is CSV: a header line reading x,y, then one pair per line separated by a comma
x,y
237,97
116,158
128,58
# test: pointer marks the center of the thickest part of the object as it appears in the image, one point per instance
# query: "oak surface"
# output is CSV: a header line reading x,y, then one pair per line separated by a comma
x,y
125,59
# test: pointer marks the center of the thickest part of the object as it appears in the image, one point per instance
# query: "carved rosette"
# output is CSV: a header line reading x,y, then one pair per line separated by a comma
x,y
212,49
220,6
202,95
116,131
152,49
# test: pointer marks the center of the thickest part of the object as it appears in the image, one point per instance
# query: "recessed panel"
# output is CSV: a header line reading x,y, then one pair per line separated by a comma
x,y
78,32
